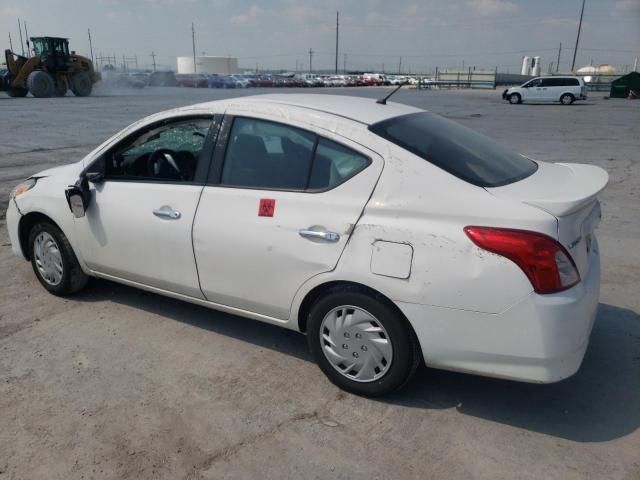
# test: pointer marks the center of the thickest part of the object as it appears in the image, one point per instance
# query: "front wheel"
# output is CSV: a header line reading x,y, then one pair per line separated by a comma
x,y
362,343
515,98
53,260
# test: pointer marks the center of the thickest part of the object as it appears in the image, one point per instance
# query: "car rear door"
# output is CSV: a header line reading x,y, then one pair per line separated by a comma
x,y
138,224
279,208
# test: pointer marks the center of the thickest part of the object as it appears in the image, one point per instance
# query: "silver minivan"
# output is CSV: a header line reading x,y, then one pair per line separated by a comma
x,y
565,90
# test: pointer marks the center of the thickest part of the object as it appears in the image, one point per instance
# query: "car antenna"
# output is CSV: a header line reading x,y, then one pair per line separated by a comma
x,y
383,100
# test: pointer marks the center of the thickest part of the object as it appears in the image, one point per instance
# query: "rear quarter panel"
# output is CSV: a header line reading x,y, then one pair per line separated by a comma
x,y
418,204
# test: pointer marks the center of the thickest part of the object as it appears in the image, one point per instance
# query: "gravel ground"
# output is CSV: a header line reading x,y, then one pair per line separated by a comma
x,y
119,383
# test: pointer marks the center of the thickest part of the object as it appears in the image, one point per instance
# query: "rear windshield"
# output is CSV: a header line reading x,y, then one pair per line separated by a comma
x,y
459,150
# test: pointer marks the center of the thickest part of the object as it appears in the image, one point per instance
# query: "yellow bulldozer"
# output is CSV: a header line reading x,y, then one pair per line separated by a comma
x,y
51,71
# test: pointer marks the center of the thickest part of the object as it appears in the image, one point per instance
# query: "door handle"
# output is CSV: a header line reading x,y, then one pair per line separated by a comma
x,y
331,237
167,212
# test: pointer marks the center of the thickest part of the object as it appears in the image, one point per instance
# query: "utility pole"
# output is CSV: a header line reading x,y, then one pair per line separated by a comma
x,y
311,60
400,65
575,50
635,64
21,41
193,43
337,34
26,34
558,62
90,44
153,59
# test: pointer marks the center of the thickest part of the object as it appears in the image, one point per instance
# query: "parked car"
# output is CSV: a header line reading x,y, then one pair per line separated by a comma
x,y
264,81
393,236
195,80
221,81
121,80
141,76
565,90
241,81
162,79
372,79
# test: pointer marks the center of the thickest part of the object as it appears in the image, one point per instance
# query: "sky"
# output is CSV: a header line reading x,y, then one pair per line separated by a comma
x,y
373,33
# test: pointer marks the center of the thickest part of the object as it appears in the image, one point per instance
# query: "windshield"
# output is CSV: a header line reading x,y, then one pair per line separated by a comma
x,y
459,150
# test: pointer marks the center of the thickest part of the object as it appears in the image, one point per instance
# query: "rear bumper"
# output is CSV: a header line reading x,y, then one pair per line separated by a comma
x,y
541,339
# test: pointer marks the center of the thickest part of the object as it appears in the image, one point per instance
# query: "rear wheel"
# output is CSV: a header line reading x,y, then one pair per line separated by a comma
x,y
567,99
53,260
81,84
515,98
41,84
363,344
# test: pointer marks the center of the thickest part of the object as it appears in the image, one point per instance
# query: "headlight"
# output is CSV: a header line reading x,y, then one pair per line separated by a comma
x,y
23,187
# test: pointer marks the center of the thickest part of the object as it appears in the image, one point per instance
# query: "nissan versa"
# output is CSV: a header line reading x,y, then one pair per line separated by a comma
x,y
387,234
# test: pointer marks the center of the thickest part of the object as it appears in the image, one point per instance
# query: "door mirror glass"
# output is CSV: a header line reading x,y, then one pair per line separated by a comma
x,y
76,201
78,196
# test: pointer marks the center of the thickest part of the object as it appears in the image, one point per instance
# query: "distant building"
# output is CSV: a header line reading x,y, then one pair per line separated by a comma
x,y
530,66
208,64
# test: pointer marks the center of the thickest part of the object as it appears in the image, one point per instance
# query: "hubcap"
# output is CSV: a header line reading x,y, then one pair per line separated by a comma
x,y
355,343
48,258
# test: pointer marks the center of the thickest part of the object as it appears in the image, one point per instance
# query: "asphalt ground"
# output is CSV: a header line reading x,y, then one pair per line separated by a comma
x,y
119,383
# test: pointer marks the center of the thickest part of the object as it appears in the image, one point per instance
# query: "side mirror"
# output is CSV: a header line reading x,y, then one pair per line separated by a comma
x,y
78,197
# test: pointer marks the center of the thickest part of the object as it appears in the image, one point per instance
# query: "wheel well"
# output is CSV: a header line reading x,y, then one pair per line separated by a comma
x,y
320,290
24,227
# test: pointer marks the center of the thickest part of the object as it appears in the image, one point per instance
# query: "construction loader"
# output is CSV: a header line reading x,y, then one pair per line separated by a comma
x,y
51,71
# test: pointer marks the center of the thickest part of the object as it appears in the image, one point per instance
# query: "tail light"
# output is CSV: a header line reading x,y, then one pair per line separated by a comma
x,y
544,261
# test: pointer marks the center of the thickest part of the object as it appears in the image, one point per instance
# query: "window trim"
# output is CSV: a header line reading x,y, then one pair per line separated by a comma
x,y
204,160
215,173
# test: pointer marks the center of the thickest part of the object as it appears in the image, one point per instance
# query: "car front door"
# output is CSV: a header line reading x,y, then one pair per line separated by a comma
x,y
532,91
138,224
280,207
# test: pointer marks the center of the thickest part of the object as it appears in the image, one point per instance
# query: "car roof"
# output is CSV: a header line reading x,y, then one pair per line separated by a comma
x,y
359,109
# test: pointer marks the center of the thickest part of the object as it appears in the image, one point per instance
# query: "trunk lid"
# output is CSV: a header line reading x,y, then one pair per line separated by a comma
x,y
569,192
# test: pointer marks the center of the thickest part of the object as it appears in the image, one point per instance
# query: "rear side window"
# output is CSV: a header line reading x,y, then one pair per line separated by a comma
x,y
458,150
333,164
269,155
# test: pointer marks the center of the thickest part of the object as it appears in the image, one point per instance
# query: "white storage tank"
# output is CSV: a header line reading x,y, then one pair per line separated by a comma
x,y
208,64
526,66
535,67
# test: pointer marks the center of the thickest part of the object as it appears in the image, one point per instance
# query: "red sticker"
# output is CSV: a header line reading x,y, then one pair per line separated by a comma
x,y
267,207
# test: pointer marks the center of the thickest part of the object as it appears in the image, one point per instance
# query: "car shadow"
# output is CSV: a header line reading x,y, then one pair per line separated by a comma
x,y
600,403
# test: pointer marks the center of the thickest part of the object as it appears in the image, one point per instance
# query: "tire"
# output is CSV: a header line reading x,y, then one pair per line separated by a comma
x,y
348,355
567,99
17,92
41,84
61,87
515,98
50,251
81,84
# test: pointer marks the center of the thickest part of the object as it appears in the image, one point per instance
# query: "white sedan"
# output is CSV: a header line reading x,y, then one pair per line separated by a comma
x,y
389,235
